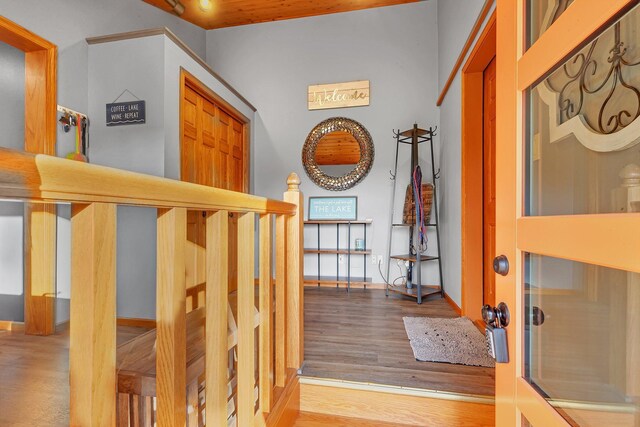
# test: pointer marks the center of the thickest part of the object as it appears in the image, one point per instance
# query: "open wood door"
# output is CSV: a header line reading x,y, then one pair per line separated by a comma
x,y
214,152
568,211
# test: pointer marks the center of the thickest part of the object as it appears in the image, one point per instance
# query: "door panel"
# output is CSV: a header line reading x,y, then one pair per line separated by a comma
x,y
581,338
223,130
571,224
563,36
489,184
189,135
542,14
582,129
212,153
237,156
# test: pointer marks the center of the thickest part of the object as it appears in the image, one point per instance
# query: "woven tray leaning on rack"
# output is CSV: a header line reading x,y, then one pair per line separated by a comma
x,y
409,212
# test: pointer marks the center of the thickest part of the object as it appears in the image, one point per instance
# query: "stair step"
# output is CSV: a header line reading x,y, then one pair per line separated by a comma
x,y
312,419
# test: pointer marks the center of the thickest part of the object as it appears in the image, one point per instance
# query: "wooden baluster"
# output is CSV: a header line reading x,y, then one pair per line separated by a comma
x,y
281,305
40,220
295,291
39,268
266,312
246,320
136,410
92,352
193,406
171,318
217,300
123,410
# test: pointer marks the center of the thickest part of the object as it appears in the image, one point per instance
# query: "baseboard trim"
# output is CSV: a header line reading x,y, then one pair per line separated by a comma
x,y
480,325
399,390
136,322
63,326
344,286
10,325
401,405
453,304
286,410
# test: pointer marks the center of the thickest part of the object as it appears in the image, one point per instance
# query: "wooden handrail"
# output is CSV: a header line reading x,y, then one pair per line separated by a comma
x,y
51,179
94,193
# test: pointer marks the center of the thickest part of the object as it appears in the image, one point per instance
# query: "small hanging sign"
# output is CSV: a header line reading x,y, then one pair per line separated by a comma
x,y
126,113
338,95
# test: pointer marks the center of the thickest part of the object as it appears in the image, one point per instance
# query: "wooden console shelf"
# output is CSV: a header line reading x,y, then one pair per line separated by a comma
x,y
364,221
338,251
340,280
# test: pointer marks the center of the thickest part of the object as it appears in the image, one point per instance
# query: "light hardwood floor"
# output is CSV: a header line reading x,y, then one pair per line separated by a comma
x,y
307,419
34,377
358,336
361,337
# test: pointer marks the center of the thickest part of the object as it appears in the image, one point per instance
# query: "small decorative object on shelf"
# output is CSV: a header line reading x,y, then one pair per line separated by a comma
x,y
360,249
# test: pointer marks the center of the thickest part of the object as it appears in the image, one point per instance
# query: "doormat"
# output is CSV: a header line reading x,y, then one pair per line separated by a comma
x,y
455,341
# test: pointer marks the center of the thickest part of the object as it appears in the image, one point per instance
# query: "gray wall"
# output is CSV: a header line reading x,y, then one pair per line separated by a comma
x,y
136,65
273,63
149,68
455,19
67,23
11,213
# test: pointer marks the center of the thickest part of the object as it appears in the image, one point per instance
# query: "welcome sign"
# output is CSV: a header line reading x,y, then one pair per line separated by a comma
x,y
333,208
126,113
338,95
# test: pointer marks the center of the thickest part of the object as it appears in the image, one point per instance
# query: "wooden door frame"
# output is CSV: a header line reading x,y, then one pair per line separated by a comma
x,y
40,59
472,170
187,78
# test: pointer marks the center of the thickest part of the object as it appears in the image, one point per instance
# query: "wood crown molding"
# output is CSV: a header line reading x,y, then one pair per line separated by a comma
x,y
182,45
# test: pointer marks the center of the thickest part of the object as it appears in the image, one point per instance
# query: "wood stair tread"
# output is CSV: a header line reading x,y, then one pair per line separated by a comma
x,y
312,419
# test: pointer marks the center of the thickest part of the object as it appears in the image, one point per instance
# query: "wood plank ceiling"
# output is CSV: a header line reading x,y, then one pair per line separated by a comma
x,y
230,13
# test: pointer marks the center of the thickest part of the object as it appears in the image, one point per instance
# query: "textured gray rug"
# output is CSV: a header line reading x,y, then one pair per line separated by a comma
x,y
447,340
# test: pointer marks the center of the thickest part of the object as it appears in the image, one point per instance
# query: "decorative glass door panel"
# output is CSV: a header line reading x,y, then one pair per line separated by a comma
x,y
543,13
581,328
568,211
582,150
581,339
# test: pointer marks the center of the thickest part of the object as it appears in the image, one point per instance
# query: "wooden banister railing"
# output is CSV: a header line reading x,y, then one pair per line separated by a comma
x,y
94,193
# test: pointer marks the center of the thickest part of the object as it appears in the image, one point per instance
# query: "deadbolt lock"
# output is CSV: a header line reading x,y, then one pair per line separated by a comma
x,y
501,265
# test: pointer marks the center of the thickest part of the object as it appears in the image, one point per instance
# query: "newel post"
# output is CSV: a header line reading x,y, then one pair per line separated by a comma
x,y
295,282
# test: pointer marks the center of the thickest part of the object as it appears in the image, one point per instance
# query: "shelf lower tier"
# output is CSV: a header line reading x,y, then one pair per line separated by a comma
x,y
413,292
412,258
336,280
337,251
413,225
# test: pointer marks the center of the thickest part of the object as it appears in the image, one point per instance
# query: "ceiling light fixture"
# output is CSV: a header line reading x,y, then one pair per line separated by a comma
x,y
205,5
176,6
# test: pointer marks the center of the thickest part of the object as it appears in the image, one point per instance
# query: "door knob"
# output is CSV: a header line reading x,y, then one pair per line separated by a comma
x,y
501,265
537,316
496,316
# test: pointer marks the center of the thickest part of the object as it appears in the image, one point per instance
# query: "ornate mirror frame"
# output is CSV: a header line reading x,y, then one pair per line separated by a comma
x,y
362,168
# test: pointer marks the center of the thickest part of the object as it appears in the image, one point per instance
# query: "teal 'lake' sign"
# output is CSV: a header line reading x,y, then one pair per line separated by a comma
x,y
333,208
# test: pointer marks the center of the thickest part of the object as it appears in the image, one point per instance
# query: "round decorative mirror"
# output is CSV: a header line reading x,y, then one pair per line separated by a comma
x,y
338,153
